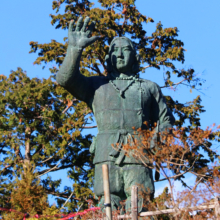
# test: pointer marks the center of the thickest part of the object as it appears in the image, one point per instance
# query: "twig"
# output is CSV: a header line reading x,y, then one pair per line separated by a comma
x,y
206,146
175,84
171,188
177,164
197,174
67,200
209,189
196,185
175,176
145,67
48,159
53,168
62,195
113,6
86,127
79,209
66,109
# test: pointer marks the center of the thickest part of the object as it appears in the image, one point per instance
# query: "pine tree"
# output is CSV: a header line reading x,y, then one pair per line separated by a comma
x,y
37,129
42,124
28,197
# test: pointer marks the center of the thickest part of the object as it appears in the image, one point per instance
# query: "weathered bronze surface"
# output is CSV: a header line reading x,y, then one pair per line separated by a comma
x,y
119,102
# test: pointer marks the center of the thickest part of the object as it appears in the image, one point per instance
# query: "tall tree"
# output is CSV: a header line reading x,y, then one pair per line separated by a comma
x,y
38,130
42,124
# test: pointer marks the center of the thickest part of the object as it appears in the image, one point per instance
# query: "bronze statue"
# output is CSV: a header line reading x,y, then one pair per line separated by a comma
x,y
119,102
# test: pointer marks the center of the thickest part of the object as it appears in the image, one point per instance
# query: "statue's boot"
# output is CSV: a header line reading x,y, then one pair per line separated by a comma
x,y
115,203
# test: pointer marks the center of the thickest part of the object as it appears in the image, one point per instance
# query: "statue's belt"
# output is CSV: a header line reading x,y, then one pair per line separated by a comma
x,y
123,137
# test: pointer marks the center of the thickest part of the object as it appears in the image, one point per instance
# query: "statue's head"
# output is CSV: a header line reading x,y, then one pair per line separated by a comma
x,y
122,57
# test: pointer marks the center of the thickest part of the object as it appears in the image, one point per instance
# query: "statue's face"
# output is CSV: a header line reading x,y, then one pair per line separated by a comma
x,y
122,55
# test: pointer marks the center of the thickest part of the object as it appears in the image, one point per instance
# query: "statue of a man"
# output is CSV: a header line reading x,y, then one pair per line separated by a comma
x,y
119,102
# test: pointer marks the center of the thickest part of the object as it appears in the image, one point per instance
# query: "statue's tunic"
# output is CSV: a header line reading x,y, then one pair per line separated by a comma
x,y
119,106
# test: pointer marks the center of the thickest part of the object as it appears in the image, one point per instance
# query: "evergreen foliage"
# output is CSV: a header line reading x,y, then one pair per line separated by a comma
x,y
41,124
28,197
37,129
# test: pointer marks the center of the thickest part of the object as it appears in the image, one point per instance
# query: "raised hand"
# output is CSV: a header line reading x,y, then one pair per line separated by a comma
x,y
80,36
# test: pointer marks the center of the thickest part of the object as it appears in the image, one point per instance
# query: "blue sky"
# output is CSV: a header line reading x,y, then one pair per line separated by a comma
x,y
197,20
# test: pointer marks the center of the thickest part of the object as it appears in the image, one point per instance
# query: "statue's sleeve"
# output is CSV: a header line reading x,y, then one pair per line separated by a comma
x,y
79,86
72,80
160,113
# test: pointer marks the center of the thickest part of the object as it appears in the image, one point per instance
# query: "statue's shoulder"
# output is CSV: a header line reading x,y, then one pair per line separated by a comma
x,y
97,81
149,84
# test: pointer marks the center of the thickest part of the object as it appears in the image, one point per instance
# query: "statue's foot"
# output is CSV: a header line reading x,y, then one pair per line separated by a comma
x,y
115,203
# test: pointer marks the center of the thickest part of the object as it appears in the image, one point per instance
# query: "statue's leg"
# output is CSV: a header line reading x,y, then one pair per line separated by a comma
x,y
115,182
136,174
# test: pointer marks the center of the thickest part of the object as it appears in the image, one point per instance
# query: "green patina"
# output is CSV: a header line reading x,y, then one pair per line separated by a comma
x,y
119,102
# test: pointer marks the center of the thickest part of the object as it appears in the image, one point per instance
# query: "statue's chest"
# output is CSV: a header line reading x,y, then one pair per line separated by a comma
x,y
126,95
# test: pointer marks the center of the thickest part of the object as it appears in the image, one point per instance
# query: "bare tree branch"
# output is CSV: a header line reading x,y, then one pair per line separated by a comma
x,y
194,188
62,195
87,127
53,168
67,200
178,175
175,84
145,67
69,105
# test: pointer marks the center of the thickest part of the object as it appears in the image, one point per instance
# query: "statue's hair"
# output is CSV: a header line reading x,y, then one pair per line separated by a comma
x,y
130,42
135,68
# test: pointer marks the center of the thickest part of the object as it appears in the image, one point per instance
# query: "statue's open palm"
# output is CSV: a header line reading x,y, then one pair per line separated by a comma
x,y
80,36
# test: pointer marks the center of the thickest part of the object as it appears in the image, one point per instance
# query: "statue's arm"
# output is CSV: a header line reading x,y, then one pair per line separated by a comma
x,y
161,114
69,75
